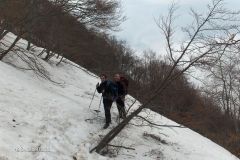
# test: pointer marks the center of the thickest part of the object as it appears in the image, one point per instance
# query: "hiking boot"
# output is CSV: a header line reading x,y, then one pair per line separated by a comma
x,y
106,125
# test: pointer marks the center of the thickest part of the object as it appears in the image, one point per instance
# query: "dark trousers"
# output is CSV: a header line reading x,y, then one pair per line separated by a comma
x,y
120,106
107,107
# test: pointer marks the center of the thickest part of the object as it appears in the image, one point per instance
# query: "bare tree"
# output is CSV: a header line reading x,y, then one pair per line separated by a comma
x,y
18,17
222,84
98,15
200,46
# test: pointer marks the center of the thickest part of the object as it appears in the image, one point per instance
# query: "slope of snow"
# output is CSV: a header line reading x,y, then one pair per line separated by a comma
x,y
42,120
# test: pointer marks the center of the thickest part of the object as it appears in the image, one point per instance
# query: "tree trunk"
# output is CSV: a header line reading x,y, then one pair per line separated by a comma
x,y
3,33
59,61
10,48
41,52
236,127
48,54
29,45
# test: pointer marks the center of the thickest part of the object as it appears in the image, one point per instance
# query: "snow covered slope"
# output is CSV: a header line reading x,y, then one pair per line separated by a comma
x,y
41,120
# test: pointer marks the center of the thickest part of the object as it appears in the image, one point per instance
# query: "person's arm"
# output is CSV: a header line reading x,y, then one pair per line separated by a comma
x,y
99,88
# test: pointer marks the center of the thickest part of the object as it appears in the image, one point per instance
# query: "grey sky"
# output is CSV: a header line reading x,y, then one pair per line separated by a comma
x,y
140,30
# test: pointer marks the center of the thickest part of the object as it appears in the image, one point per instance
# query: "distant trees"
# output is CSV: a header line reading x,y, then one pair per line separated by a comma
x,y
221,84
13,17
97,15
223,81
60,26
19,17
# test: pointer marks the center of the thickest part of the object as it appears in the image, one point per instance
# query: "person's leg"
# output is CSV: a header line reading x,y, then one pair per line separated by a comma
x,y
121,108
107,107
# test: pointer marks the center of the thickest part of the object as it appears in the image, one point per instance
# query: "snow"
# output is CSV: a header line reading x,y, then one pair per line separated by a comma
x,y
42,120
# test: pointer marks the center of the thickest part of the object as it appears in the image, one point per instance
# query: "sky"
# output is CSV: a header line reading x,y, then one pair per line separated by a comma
x,y
140,30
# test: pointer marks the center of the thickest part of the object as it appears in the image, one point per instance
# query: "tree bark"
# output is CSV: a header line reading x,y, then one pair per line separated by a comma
x,y
29,45
10,48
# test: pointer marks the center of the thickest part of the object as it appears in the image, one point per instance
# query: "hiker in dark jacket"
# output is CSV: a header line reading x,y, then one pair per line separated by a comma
x,y
121,96
107,99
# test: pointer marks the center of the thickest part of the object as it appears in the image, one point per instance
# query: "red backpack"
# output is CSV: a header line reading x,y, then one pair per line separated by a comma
x,y
125,81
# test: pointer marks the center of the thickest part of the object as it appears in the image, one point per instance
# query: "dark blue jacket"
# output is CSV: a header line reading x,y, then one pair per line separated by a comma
x,y
106,93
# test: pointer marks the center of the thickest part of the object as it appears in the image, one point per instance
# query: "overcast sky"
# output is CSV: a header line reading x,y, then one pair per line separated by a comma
x,y
140,30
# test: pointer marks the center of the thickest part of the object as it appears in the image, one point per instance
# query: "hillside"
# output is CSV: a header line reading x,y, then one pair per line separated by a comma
x,y
36,113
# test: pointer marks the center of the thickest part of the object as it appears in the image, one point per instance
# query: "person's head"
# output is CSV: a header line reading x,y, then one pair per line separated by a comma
x,y
117,77
103,77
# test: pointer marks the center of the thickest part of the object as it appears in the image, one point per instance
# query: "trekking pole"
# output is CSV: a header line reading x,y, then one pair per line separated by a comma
x,y
99,106
92,99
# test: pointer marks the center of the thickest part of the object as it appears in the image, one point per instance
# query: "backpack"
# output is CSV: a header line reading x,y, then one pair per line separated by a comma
x,y
125,81
113,88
